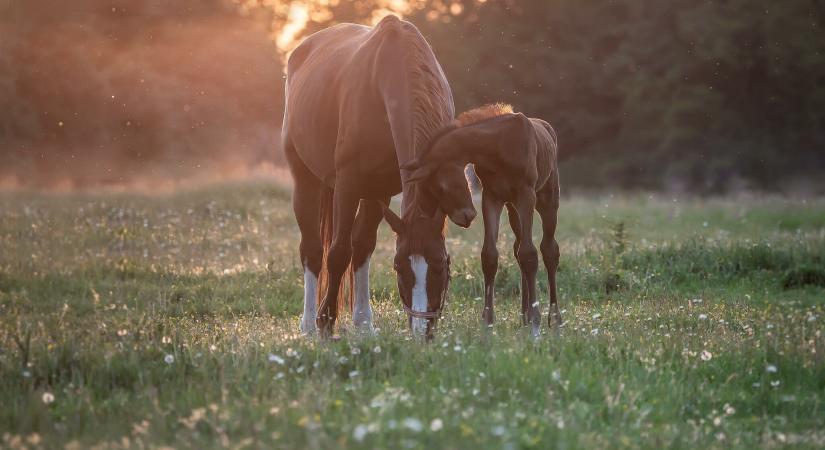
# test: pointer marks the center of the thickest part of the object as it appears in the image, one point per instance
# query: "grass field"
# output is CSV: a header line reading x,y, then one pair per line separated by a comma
x,y
135,322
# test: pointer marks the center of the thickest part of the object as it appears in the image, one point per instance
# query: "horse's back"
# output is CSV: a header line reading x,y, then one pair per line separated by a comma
x,y
314,72
358,97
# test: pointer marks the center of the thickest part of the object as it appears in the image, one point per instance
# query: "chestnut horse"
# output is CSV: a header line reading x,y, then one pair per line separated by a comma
x,y
515,158
360,102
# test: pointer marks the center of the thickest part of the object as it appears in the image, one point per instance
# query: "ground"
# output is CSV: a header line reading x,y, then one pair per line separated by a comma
x,y
134,321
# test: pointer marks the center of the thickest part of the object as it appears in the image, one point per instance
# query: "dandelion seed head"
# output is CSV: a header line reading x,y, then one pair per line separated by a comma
x,y
169,359
360,432
48,398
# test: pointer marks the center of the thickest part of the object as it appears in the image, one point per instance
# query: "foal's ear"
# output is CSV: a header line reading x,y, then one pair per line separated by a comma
x,y
421,173
392,219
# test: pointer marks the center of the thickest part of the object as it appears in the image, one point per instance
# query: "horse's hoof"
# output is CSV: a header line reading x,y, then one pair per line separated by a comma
x,y
308,328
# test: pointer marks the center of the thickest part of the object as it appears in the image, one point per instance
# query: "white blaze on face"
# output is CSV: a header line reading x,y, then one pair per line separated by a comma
x,y
310,309
361,311
419,292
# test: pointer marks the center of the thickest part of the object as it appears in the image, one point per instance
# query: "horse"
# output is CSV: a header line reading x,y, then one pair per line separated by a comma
x,y
360,102
515,158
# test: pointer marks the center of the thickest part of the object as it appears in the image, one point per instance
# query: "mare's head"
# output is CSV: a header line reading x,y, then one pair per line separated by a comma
x,y
421,259
422,266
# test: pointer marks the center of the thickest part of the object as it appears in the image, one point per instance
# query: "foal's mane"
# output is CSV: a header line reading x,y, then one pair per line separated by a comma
x,y
482,113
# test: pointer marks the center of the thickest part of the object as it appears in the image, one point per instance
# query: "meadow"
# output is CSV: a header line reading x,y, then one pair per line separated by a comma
x,y
131,321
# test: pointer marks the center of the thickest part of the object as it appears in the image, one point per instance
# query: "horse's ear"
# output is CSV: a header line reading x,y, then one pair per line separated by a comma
x,y
420,173
411,166
392,219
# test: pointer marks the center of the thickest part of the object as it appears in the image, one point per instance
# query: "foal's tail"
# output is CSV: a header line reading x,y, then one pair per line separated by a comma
x,y
345,292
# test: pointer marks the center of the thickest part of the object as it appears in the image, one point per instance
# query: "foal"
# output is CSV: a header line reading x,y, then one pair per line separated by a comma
x,y
515,160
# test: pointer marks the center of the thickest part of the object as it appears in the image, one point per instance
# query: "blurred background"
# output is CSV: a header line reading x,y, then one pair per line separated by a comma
x,y
683,95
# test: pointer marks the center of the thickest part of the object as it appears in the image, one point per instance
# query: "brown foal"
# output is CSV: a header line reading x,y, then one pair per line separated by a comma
x,y
515,158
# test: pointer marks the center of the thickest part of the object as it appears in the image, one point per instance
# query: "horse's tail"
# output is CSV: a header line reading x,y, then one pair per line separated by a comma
x,y
345,293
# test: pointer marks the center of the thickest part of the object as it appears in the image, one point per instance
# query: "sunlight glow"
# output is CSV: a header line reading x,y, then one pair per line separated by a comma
x,y
290,18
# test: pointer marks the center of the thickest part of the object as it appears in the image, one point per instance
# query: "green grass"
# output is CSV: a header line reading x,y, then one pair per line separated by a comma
x,y
690,323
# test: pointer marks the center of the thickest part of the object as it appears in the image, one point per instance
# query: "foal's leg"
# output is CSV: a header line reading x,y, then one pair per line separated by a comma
x,y
363,243
524,204
340,252
515,225
491,212
306,199
547,204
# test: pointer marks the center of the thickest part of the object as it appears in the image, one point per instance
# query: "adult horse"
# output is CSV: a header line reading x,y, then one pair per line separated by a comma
x,y
360,102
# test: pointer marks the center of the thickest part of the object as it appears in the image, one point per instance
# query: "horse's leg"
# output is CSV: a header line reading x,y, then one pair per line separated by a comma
x,y
547,204
515,225
363,243
345,205
306,199
491,212
525,204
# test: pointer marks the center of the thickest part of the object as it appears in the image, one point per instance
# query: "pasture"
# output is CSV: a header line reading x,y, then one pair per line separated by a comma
x,y
141,322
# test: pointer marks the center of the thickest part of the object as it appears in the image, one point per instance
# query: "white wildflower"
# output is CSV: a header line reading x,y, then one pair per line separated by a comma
x,y
703,317
166,340
436,425
771,368
355,351
457,347
412,424
596,316
275,359
376,349
48,398
706,355
775,383
360,432
354,374
169,359
594,332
